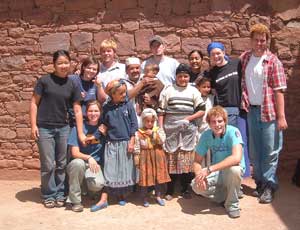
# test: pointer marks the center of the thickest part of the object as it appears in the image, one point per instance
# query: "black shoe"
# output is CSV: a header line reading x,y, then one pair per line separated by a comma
x,y
267,196
258,191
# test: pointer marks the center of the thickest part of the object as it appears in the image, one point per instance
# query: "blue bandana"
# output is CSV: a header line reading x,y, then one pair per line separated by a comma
x,y
214,45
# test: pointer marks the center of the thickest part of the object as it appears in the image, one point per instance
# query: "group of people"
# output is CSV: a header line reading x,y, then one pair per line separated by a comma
x,y
114,126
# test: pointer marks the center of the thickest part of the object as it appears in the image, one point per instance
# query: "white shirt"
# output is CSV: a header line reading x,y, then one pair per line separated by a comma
x,y
167,69
255,79
116,71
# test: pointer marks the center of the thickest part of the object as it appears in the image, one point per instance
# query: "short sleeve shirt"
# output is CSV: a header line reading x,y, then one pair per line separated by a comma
x,y
221,147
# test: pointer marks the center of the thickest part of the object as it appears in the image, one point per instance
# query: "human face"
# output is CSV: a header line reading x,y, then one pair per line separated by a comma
x,y
90,72
217,125
119,95
149,122
134,72
259,44
217,57
93,114
204,88
107,55
62,66
157,48
195,61
182,79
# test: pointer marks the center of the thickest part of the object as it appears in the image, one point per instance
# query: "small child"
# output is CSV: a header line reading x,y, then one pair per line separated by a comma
x,y
203,84
150,157
149,95
120,120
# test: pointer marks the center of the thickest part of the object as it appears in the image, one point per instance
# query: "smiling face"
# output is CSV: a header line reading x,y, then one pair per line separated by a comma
x,y
195,61
182,79
217,125
90,72
204,88
157,49
259,44
62,66
93,114
120,94
133,71
217,57
107,55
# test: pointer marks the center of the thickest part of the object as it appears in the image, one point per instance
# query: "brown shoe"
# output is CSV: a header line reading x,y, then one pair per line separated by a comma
x,y
77,207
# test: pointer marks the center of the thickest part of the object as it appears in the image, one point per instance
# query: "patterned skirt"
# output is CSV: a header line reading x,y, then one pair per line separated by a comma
x,y
180,162
153,167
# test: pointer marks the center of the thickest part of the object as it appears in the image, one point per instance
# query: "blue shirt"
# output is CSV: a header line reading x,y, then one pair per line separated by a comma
x,y
95,149
120,120
221,147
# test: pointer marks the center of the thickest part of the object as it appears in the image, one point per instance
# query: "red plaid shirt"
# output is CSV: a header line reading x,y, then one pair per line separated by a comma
x,y
274,79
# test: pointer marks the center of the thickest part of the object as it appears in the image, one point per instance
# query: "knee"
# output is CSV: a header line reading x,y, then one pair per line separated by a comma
x,y
76,165
234,173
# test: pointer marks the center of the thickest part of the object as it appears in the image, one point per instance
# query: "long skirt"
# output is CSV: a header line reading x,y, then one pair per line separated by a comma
x,y
180,162
119,169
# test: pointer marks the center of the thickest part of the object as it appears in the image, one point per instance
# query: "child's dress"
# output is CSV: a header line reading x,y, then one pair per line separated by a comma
x,y
152,160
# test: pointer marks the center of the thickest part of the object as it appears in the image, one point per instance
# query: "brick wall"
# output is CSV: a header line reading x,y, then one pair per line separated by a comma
x,y
31,30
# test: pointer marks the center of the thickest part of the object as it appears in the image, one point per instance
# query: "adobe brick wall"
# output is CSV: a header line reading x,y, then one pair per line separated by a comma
x,y
31,30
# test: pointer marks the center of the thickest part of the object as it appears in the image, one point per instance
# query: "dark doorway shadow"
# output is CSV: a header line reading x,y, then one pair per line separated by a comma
x,y
29,195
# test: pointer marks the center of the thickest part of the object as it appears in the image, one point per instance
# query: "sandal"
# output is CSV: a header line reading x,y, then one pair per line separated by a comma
x,y
49,203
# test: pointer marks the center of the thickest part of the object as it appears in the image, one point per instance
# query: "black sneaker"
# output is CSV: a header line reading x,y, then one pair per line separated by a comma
x,y
267,196
258,191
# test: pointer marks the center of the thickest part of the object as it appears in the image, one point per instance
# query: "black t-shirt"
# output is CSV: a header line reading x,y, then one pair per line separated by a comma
x,y
57,96
226,80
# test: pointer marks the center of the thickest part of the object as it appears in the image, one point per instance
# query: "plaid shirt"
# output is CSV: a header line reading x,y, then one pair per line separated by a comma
x,y
274,79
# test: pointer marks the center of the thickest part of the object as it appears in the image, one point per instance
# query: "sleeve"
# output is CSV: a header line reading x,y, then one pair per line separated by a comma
x,y
133,119
236,137
163,101
73,139
137,146
278,75
39,87
199,104
76,95
161,135
202,146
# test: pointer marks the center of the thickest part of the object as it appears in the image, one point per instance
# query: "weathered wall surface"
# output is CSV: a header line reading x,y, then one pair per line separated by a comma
x,y
31,30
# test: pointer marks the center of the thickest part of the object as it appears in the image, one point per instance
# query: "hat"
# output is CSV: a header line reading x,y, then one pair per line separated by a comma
x,y
95,181
183,68
156,38
132,61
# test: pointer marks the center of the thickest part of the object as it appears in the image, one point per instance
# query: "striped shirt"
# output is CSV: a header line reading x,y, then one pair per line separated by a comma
x,y
180,100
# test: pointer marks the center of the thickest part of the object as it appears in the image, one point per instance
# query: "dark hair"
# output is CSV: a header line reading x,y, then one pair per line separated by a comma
x,y
59,53
200,80
93,102
88,61
195,51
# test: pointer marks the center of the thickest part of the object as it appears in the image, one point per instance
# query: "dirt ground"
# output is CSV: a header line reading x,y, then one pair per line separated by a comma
x,y
21,209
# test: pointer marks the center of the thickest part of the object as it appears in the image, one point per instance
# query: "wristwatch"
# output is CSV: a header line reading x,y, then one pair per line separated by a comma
x,y
208,170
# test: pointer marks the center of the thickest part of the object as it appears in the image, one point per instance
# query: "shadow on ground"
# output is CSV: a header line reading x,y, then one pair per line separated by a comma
x,y
29,195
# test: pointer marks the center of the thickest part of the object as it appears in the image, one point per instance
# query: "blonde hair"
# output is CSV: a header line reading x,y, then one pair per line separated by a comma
x,y
217,111
108,43
260,28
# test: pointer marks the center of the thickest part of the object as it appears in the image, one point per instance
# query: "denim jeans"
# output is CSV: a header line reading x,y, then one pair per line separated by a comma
x,y
239,120
223,186
52,145
265,145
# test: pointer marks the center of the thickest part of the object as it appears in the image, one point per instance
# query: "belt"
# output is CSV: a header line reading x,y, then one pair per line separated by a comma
x,y
255,106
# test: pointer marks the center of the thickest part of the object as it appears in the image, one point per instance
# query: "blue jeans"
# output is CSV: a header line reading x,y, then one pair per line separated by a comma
x,y
239,120
52,145
265,146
